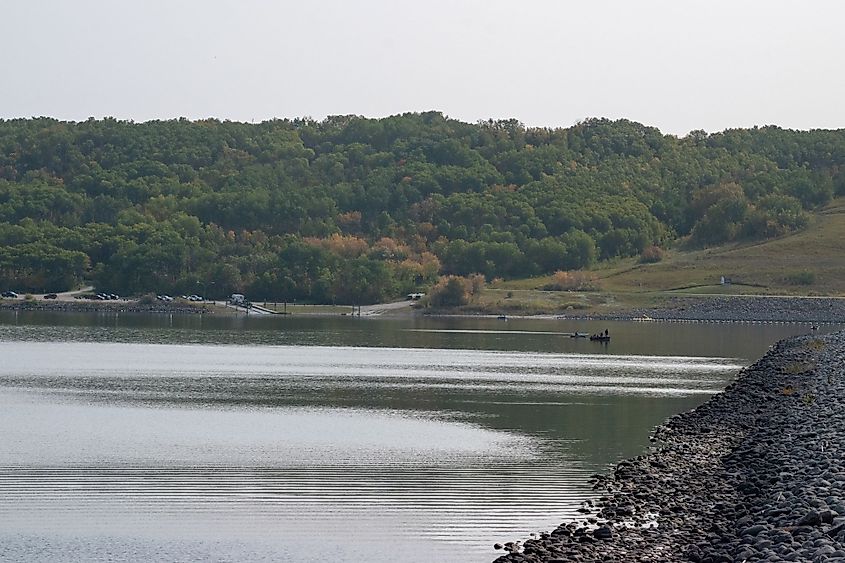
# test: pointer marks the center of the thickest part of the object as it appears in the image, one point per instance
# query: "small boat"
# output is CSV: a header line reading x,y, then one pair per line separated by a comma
x,y
502,317
599,338
578,335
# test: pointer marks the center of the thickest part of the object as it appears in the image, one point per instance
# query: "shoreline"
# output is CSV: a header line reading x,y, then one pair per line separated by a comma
x,y
756,473
102,307
726,308
723,308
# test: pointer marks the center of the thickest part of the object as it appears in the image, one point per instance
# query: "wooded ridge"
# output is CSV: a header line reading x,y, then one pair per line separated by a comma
x,y
351,209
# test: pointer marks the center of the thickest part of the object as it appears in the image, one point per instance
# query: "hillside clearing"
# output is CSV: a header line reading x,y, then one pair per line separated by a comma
x,y
808,263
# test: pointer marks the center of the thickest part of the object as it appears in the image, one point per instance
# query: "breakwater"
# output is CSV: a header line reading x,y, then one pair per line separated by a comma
x,y
749,308
757,473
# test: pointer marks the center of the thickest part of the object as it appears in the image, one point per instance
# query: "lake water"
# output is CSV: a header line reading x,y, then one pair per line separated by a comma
x,y
133,437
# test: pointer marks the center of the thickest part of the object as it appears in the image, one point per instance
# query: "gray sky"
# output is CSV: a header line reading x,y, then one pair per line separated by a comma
x,y
675,64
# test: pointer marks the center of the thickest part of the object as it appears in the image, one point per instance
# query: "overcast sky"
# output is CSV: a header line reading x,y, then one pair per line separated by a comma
x,y
675,64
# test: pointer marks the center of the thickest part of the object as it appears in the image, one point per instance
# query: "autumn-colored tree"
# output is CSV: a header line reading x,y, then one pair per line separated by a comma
x,y
450,291
572,281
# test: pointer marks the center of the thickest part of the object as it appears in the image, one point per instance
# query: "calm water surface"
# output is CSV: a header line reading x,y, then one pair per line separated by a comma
x,y
131,437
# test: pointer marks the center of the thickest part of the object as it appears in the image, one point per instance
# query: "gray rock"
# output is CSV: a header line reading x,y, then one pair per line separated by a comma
x,y
823,550
753,530
812,518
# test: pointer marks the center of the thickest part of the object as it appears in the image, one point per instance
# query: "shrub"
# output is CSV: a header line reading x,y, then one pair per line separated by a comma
x,y
450,291
572,281
476,283
651,255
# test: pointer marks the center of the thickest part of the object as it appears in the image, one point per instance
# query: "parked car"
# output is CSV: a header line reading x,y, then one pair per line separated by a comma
x,y
195,297
11,294
51,296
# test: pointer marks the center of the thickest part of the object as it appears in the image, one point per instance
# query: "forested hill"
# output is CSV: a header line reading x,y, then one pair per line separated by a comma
x,y
355,209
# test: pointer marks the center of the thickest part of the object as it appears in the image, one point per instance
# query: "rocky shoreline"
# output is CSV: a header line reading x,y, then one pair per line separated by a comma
x,y
85,306
757,473
748,308
730,308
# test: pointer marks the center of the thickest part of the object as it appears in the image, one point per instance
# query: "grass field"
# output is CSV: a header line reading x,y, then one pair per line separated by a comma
x,y
811,262
808,263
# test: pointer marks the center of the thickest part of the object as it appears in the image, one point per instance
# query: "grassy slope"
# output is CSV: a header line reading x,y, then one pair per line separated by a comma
x,y
756,268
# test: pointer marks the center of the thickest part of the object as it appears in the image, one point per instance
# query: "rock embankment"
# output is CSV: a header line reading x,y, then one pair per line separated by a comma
x,y
84,306
755,474
749,308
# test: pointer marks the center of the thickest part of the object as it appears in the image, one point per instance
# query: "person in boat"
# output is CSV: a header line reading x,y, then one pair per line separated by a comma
x,y
606,333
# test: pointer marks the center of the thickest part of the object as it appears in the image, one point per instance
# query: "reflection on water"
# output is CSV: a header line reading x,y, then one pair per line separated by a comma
x,y
298,443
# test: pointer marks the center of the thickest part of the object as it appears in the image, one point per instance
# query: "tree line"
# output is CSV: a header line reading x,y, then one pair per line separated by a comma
x,y
350,209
